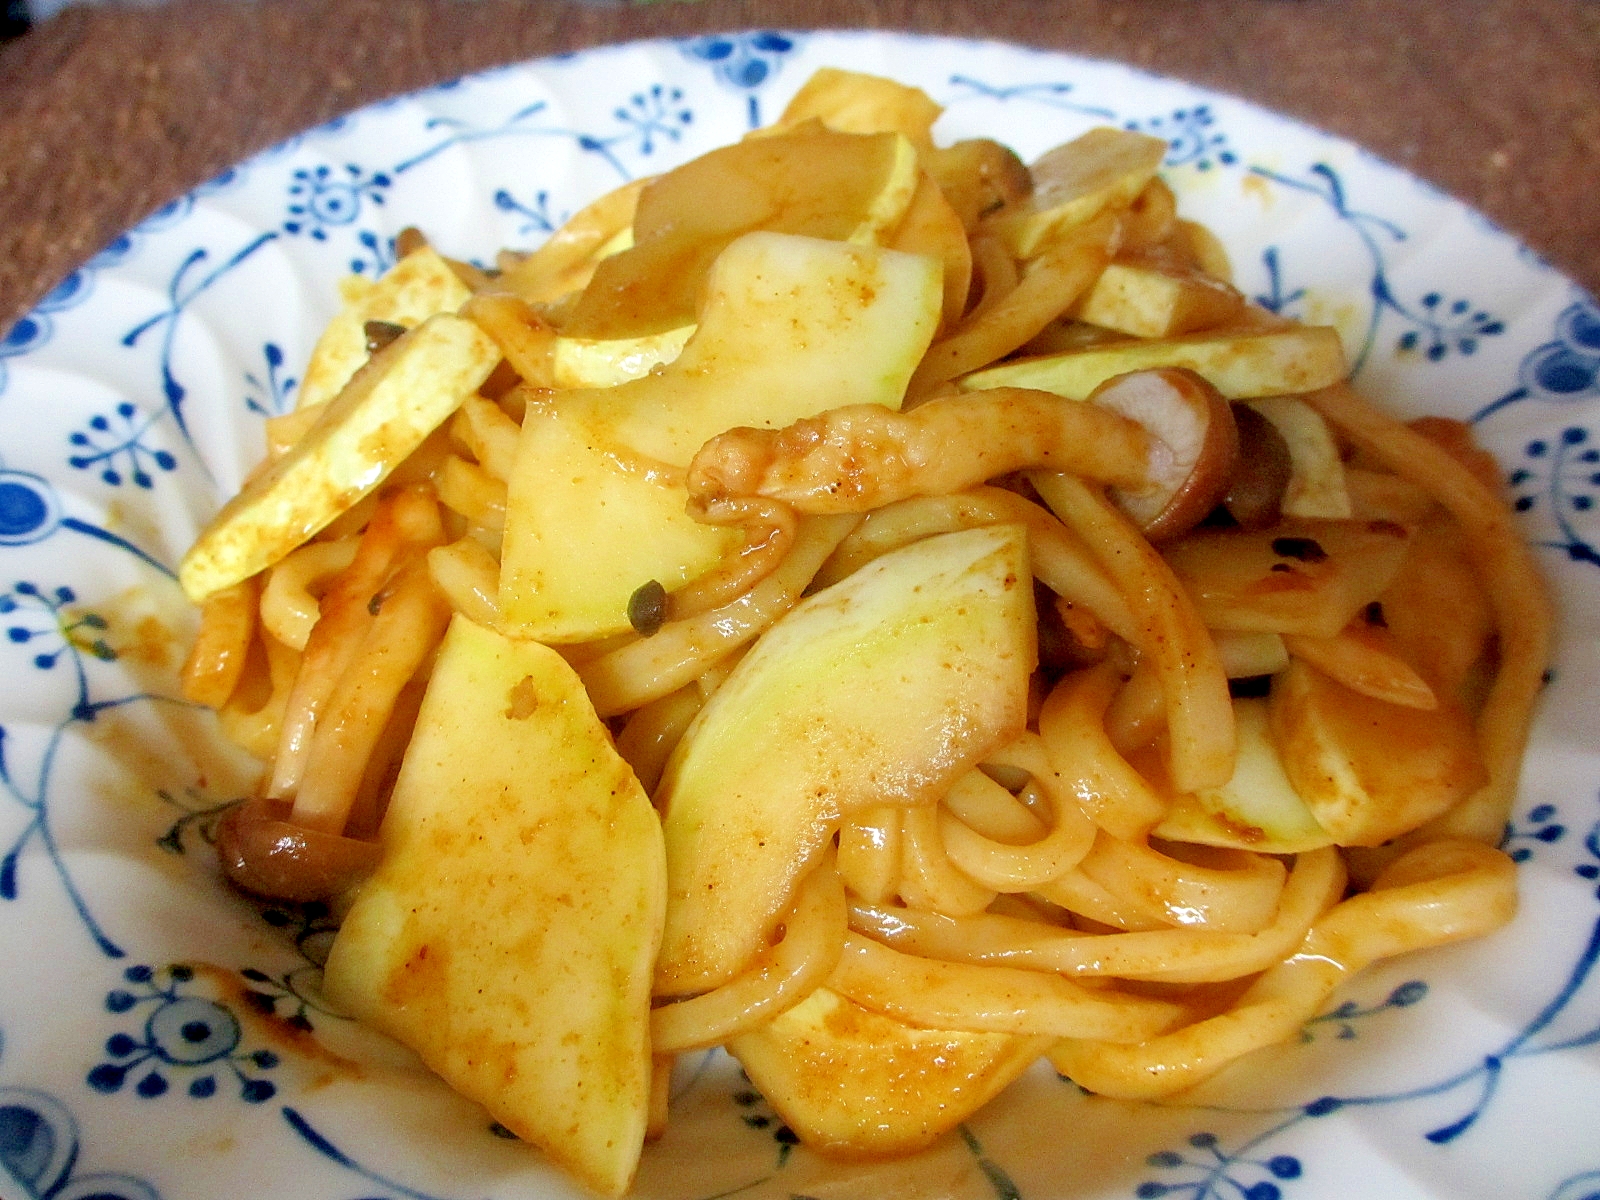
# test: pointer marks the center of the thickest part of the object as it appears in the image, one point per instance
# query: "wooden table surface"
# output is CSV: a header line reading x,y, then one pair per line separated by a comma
x,y
107,112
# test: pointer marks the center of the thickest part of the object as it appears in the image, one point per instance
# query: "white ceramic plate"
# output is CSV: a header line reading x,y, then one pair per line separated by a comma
x,y
162,1037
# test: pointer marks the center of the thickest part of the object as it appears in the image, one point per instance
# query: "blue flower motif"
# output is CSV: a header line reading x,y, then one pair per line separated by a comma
x,y
1443,326
36,328
648,115
182,1034
756,1114
1191,136
1435,326
743,62
322,198
1542,829
200,815
292,996
1568,368
119,450
379,254
1564,370
1207,1174
62,632
1563,475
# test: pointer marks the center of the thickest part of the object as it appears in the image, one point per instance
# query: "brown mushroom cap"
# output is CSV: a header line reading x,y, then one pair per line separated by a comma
x,y
1194,446
1254,497
264,853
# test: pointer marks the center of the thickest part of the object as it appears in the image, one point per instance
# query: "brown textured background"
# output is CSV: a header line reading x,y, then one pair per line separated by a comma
x,y
108,112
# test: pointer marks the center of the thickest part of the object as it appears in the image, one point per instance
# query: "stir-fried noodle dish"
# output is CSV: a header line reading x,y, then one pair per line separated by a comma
x,y
887,610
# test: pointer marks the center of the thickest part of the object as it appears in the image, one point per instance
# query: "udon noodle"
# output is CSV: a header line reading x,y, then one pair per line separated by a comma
x,y
1252,760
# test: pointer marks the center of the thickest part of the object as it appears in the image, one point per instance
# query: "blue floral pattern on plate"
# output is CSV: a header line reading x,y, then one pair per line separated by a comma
x,y
131,401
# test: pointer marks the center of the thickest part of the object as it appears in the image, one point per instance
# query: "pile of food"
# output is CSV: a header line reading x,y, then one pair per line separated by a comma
x,y
884,609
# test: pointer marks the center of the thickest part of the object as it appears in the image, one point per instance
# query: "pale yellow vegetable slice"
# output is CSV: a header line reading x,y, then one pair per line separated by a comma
x,y
1297,577
1369,770
790,326
385,412
1075,182
586,526
1258,809
809,181
1157,300
1366,658
933,228
854,1082
1240,366
852,102
577,362
880,689
414,289
566,260
1316,476
508,934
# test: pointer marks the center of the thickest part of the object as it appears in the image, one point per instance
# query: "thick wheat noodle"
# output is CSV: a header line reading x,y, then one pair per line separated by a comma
x,y
289,606
1434,894
1510,577
1170,955
1201,735
469,576
468,488
779,978
1028,753
985,999
1138,710
1112,793
1059,558
980,800
1081,896
863,456
253,723
661,1067
1007,866
647,668
383,760
403,519
869,852
222,644
1239,898
492,436
651,732
1049,286
975,800
403,635
929,879
1151,219
1012,868
769,529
